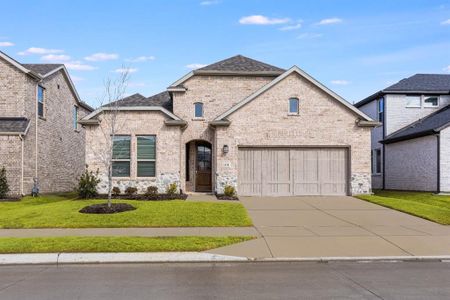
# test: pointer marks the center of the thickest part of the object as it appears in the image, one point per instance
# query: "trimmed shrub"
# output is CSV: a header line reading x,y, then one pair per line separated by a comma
x,y
4,186
116,191
130,191
229,191
87,184
151,190
172,189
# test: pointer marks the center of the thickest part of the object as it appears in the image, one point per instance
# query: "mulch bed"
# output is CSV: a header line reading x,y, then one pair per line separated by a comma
x,y
223,197
104,209
156,197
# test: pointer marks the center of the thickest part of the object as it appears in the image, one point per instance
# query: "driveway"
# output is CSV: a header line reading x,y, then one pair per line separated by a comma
x,y
336,227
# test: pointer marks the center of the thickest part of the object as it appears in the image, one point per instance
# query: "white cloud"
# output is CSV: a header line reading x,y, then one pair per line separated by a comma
x,y
125,70
340,82
309,35
447,69
209,2
195,66
446,22
262,20
79,66
291,27
42,51
55,57
141,59
330,21
6,44
76,78
102,56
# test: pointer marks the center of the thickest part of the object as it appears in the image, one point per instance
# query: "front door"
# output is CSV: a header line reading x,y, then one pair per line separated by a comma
x,y
203,182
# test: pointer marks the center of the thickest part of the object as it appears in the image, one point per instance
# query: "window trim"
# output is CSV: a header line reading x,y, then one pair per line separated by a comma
x,y
431,96
297,106
40,87
122,159
145,160
195,110
75,117
413,106
380,110
375,161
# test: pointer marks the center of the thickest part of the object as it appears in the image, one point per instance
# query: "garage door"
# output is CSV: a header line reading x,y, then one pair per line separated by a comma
x,y
292,171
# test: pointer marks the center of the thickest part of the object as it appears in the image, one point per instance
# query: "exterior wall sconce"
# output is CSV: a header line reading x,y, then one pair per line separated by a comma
x,y
225,149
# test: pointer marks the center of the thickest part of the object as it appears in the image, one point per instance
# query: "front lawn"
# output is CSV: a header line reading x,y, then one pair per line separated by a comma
x,y
115,244
426,205
61,211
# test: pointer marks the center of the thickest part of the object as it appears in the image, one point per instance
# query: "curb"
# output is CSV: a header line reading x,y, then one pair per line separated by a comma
x,y
188,257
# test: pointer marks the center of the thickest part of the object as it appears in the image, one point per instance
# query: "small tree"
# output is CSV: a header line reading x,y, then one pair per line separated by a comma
x,y
4,187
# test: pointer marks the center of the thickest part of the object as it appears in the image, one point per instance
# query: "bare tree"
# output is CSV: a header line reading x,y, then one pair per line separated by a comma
x,y
114,92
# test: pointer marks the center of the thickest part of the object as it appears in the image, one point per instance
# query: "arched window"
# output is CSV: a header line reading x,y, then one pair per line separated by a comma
x,y
293,106
198,106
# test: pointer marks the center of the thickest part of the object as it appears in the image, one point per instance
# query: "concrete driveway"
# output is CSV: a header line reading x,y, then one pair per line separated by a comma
x,y
338,227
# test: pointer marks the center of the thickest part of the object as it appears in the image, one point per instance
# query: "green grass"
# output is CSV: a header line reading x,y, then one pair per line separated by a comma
x,y
432,207
61,211
115,244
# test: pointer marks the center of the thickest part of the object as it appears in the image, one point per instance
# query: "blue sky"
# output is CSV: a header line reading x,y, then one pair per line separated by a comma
x,y
353,47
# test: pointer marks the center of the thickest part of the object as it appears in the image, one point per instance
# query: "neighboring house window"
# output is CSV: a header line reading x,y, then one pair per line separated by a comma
x,y
75,117
198,110
381,110
146,156
412,101
121,156
431,101
293,106
40,98
376,161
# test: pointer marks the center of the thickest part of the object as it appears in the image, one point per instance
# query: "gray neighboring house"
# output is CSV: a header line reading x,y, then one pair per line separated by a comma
x,y
411,150
39,132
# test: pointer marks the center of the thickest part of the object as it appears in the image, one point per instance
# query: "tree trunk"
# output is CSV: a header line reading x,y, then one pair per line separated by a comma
x,y
109,185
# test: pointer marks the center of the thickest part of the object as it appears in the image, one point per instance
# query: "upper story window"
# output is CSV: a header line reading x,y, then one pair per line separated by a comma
x,y
198,113
376,161
121,156
431,101
40,99
380,110
413,101
146,156
75,117
293,106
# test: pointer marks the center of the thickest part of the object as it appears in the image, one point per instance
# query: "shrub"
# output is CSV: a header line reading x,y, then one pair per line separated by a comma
x,y
116,191
172,189
87,184
152,190
229,191
130,191
4,187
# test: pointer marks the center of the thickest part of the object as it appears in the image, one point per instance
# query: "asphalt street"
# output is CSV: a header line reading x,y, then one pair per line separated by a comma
x,y
281,280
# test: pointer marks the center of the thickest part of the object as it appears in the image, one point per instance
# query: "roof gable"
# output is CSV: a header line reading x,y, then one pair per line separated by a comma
x,y
422,82
42,69
162,99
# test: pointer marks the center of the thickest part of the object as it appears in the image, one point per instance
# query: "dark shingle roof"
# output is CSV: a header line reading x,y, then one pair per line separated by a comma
x,y
422,82
162,99
240,63
41,69
13,124
430,124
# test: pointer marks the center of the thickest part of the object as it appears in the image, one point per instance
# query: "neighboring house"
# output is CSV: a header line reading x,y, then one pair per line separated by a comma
x,y
39,134
411,151
238,122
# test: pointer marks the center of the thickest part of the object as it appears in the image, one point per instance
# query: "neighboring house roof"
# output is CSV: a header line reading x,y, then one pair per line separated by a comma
x,y
305,75
162,99
236,65
14,126
41,71
431,124
418,83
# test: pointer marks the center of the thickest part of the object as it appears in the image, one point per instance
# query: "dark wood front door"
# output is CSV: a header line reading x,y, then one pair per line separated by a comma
x,y
203,182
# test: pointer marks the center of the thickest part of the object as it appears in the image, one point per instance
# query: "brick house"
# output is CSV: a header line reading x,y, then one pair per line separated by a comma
x,y
239,122
39,134
411,150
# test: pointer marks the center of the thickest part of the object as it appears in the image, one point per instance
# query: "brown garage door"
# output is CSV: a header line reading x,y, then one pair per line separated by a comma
x,y
292,171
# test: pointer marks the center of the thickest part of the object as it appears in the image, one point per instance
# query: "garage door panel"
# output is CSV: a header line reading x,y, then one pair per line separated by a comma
x,y
305,172
276,174
333,171
250,172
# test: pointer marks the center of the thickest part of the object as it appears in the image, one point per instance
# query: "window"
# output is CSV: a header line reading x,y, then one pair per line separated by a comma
x,y
431,101
146,155
198,110
40,98
412,101
121,156
381,110
293,106
376,161
75,117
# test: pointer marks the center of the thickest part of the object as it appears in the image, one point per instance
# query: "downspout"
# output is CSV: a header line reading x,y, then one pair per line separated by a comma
x,y
36,132
438,190
384,145
21,137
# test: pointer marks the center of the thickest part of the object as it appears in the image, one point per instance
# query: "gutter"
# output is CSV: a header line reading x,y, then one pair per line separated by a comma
x,y
409,137
22,142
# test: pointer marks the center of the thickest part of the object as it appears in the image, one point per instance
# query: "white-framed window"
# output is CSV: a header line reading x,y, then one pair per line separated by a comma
x,y
380,110
75,117
198,110
293,106
40,100
376,161
146,155
431,101
413,101
121,156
